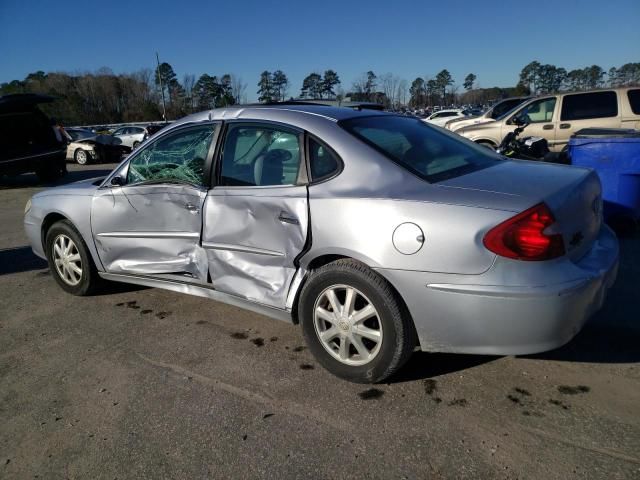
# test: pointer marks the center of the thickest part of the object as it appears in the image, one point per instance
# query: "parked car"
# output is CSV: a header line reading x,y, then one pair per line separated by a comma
x,y
152,129
494,113
78,149
376,232
557,117
130,136
28,141
86,147
441,117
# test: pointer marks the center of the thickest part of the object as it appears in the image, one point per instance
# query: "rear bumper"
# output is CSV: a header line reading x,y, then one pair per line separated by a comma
x,y
489,318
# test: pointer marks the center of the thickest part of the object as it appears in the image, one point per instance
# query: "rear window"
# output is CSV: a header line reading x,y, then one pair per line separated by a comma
x,y
431,153
584,106
634,100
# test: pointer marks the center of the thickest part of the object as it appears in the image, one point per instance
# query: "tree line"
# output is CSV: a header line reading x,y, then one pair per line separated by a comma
x,y
103,97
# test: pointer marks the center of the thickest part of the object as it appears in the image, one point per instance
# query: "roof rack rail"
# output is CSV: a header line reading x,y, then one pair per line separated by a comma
x,y
354,105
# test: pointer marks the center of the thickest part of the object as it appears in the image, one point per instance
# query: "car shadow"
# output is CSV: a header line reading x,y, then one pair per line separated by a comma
x,y
31,180
423,365
19,259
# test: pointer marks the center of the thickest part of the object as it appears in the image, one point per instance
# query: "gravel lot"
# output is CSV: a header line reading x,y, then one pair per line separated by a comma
x,y
144,383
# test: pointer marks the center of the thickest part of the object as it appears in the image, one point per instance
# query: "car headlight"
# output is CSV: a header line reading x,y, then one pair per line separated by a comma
x,y
27,207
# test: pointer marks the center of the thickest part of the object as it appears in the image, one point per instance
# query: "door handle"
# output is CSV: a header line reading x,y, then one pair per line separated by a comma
x,y
565,125
286,218
547,127
192,208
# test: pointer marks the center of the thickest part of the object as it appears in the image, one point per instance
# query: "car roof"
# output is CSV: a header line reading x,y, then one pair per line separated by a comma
x,y
284,112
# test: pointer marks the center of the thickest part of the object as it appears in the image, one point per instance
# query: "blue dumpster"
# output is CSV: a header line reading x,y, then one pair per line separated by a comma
x,y
615,155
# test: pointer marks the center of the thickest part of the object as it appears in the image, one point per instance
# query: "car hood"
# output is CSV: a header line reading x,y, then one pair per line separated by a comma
x,y
477,127
82,188
462,119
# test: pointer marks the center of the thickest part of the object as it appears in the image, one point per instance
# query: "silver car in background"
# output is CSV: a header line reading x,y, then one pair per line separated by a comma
x,y
378,233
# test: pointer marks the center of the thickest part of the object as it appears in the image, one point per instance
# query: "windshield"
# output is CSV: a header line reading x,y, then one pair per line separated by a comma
x,y
429,152
79,134
502,109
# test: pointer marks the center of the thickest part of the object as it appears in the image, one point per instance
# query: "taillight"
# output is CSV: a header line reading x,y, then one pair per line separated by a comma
x,y
522,237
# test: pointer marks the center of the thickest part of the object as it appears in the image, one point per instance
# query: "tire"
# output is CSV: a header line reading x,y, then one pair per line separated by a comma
x,y
135,144
337,352
81,156
85,283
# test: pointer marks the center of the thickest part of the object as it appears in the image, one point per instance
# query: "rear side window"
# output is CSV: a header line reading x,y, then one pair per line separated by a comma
x,y
634,100
322,161
584,106
429,152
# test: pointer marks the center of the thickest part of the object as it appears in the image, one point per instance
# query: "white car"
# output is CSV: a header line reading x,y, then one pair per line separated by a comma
x,y
130,136
441,117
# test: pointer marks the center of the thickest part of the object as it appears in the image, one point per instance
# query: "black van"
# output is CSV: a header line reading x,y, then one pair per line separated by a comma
x,y
28,142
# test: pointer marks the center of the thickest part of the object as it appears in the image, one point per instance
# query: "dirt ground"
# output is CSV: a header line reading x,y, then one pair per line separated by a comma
x,y
145,383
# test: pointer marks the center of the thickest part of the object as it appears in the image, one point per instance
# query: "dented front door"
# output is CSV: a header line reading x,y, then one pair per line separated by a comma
x,y
149,223
150,230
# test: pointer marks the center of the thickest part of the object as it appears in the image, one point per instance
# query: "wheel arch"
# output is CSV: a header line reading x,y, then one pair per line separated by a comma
x,y
47,223
326,258
486,141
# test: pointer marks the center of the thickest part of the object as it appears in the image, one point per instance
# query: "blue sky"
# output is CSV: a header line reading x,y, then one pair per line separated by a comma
x,y
493,39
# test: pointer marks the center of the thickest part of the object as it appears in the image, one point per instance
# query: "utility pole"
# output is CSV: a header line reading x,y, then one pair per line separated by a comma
x,y
164,108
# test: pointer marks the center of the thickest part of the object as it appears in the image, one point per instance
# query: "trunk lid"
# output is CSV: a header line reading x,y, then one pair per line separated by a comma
x,y
573,194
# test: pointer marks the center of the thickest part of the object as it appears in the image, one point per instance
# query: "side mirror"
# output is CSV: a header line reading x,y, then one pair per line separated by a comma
x,y
520,119
117,181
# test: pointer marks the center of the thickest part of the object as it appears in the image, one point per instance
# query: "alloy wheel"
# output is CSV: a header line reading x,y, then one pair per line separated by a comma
x,y
347,325
67,260
81,157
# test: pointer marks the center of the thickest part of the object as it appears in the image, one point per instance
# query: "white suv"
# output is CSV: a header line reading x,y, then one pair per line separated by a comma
x,y
130,136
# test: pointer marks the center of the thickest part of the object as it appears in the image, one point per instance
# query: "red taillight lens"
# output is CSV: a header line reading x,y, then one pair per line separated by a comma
x,y
522,237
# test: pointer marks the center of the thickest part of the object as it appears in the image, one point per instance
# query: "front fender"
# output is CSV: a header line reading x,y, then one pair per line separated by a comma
x,y
74,208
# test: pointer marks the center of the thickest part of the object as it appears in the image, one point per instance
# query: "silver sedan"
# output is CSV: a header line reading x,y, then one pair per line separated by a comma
x,y
377,233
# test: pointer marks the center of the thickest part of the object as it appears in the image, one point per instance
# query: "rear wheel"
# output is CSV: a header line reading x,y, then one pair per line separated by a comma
x,y
69,260
353,322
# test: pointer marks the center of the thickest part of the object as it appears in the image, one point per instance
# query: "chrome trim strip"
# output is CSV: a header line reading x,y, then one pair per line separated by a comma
x,y
150,234
510,291
199,291
241,248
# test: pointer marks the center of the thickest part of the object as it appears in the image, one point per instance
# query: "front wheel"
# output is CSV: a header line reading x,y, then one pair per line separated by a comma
x,y
135,144
81,157
353,322
69,260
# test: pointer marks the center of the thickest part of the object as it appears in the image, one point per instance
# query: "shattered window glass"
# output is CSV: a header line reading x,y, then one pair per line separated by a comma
x,y
178,157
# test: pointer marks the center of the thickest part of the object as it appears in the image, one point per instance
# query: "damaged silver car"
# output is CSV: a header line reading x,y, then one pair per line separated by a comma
x,y
378,233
